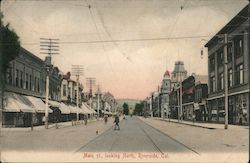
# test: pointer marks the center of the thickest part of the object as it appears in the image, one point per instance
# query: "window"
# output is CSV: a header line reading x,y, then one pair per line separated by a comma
x,y
17,78
26,81
212,84
239,74
230,77
38,85
35,83
30,82
64,90
211,63
229,53
239,47
21,79
220,58
221,81
9,76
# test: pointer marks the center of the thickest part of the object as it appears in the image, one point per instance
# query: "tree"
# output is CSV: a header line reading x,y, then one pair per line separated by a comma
x,y
138,108
9,50
9,45
125,108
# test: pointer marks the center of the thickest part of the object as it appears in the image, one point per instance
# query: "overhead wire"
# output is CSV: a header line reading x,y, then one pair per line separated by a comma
x,y
103,47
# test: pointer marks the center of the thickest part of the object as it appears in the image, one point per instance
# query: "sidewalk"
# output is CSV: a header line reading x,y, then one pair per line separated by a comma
x,y
203,124
51,126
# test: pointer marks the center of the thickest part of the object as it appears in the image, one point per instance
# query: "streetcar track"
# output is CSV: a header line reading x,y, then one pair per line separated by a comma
x,y
152,141
168,137
92,140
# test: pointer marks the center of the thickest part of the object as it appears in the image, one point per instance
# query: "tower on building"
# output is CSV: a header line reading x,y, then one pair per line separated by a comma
x,y
179,73
165,91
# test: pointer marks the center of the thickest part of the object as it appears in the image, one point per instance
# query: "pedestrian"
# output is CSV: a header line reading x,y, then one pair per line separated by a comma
x,y
116,123
106,119
85,120
240,114
193,117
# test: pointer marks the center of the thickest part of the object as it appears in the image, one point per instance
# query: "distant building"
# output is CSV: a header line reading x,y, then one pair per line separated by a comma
x,y
191,109
69,90
238,70
164,95
179,74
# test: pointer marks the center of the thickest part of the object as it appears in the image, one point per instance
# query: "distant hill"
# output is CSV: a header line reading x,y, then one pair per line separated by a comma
x,y
130,102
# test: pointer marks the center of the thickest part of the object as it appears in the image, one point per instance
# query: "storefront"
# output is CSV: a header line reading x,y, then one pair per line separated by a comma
x,y
17,111
238,109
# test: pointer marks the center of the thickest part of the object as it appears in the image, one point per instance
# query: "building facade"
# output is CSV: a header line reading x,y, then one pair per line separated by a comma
x,y
164,95
237,31
179,74
25,89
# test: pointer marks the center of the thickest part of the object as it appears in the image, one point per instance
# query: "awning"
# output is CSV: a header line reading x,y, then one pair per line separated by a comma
x,y
90,109
54,103
72,109
86,110
108,113
10,104
15,103
64,108
38,104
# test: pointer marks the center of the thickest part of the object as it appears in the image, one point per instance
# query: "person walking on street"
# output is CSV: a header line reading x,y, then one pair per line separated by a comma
x,y
240,114
116,123
85,120
105,119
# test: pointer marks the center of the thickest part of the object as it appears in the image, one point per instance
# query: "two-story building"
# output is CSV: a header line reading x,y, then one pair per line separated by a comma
x,y
237,31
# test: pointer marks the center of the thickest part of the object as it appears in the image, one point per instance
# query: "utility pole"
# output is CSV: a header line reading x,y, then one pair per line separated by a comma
x,y
151,104
77,70
181,100
159,101
98,102
226,80
50,47
90,83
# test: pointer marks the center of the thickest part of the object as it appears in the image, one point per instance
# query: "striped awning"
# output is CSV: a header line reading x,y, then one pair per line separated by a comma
x,y
14,102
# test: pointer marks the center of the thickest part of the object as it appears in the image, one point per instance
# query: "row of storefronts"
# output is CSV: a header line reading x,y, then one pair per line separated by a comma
x,y
24,111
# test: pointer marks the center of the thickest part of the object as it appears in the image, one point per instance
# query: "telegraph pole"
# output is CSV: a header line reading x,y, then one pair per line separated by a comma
x,y
50,47
181,100
77,70
90,83
98,102
226,80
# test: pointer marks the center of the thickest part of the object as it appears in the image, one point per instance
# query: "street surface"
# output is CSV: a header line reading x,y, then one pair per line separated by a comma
x,y
135,136
139,140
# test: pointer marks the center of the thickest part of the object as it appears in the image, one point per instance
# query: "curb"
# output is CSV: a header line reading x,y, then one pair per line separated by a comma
x,y
211,128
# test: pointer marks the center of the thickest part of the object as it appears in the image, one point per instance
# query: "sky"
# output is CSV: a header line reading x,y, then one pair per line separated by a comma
x,y
127,45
